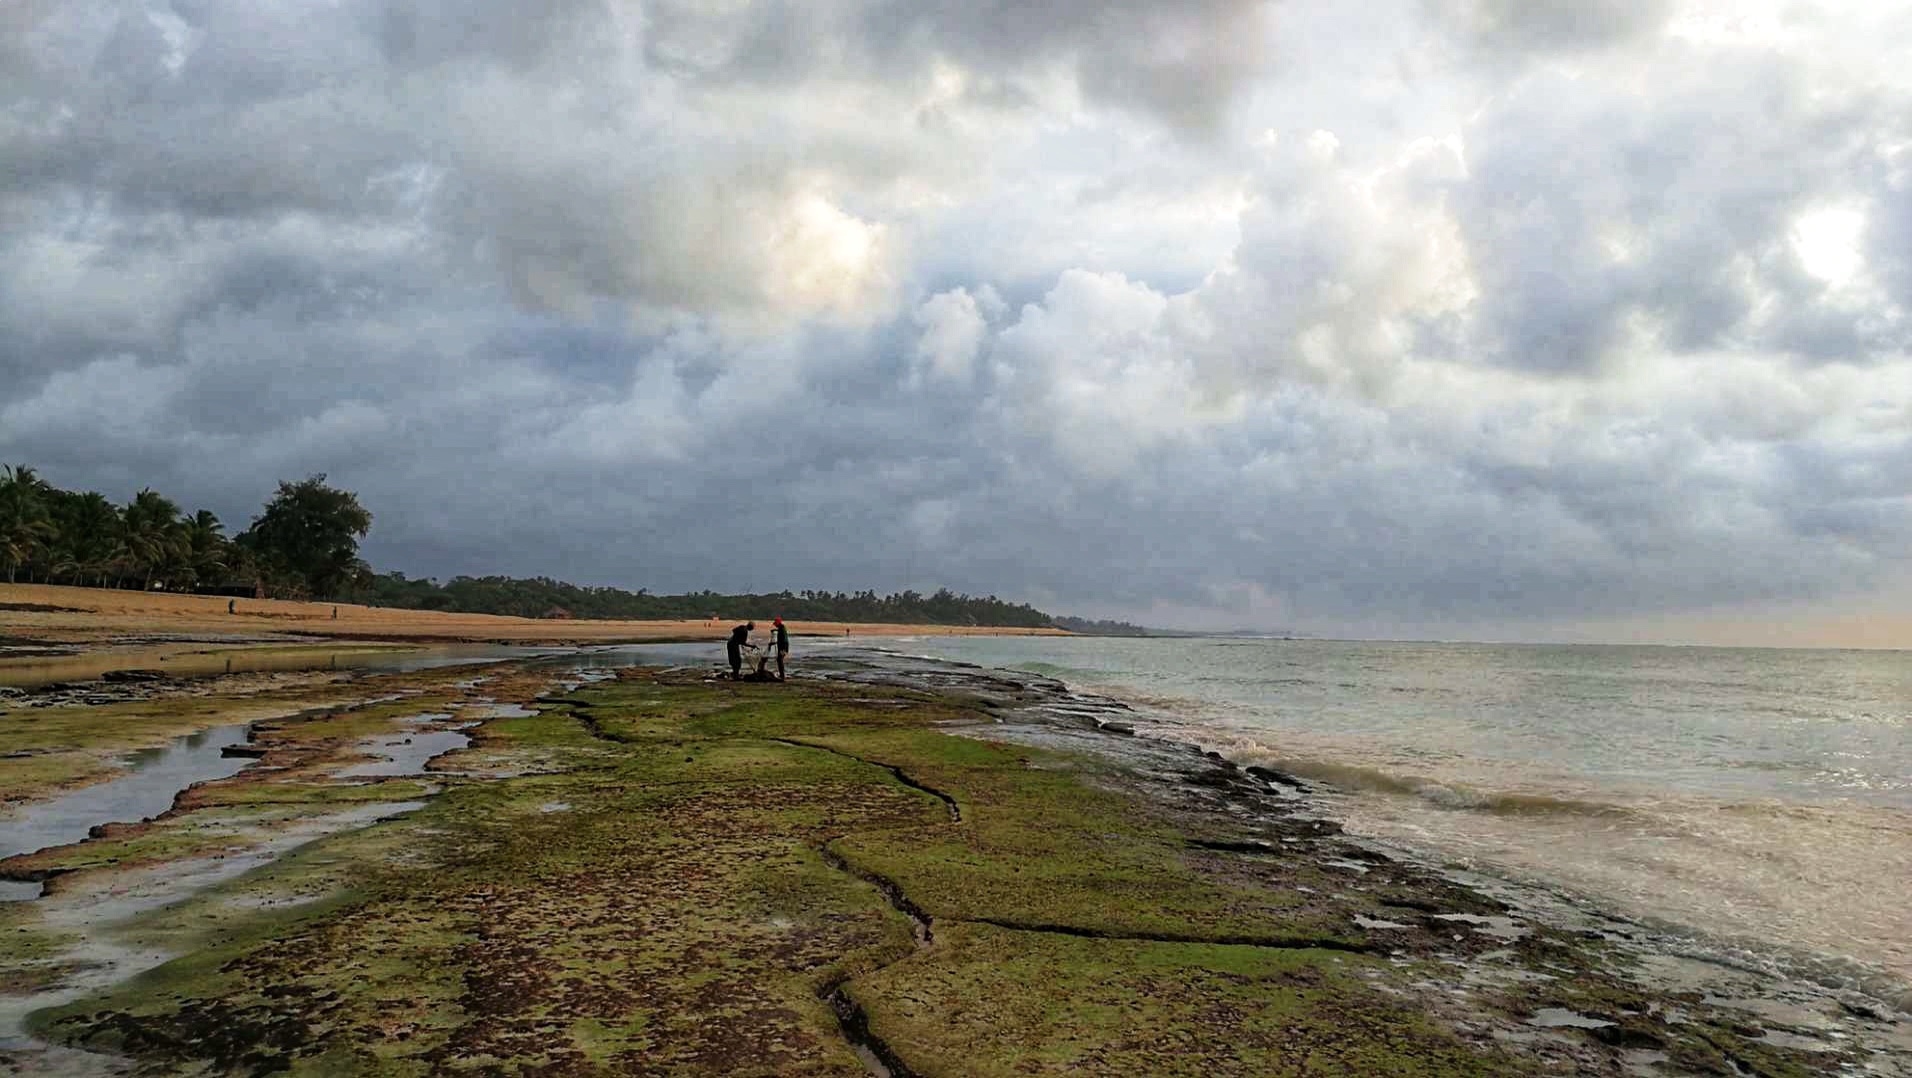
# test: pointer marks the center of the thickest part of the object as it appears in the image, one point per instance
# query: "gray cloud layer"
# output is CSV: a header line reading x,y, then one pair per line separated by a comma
x,y
1438,315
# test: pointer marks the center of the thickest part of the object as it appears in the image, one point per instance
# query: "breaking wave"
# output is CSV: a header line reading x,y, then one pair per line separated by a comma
x,y
1451,795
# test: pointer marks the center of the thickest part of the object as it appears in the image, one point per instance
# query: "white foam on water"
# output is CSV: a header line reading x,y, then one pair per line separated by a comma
x,y
1756,795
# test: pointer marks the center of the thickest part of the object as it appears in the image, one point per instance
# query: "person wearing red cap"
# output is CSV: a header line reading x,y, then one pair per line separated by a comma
x,y
783,645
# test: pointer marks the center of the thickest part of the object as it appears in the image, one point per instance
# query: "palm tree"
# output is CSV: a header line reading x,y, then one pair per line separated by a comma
x,y
20,538
59,561
153,535
95,528
23,476
24,527
206,546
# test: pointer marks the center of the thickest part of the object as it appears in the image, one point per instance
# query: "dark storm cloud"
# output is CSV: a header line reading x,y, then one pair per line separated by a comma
x,y
1183,63
1552,25
1025,299
1583,211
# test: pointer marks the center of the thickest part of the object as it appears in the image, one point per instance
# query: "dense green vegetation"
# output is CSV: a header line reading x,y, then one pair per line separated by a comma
x,y
309,533
1107,628
543,597
303,544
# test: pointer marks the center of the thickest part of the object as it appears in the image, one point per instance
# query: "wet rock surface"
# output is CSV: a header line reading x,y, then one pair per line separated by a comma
x,y
1489,955
149,783
932,870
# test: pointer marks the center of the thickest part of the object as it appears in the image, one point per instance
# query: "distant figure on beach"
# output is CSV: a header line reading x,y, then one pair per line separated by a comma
x,y
232,606
734,648
783,645
335,613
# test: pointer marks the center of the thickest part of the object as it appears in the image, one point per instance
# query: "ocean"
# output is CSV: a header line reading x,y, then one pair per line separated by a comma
x,y
1762,798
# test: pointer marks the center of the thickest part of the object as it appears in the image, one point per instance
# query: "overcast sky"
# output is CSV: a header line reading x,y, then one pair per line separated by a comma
x,y
1412,317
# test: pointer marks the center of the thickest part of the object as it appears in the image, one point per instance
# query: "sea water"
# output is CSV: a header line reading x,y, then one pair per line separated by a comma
x,y
1758,796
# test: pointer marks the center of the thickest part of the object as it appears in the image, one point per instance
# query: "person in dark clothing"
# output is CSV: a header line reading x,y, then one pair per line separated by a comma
x,y
734,648
783,645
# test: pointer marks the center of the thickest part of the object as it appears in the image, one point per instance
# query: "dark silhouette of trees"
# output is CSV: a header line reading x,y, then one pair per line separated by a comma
x,y
535,597
206,560
308,536
304,544
23,520
90,529
305,541
152,534
1088,627
25,529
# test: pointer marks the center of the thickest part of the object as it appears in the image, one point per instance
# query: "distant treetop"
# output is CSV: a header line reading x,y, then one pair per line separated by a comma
x,y
1103,628
304,544
539,596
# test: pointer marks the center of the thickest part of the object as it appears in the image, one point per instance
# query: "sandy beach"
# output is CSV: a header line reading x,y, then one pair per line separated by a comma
x,y
97,616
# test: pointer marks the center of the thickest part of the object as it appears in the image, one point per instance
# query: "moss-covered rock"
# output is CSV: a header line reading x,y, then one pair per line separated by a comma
x,y
986,1001
680,877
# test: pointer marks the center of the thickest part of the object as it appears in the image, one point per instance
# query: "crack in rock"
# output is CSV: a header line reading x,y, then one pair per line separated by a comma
x,y
921,923
1283,943
955,810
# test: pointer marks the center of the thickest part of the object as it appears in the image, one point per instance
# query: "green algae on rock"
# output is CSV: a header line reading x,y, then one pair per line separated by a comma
x,y
795,879
1014,1002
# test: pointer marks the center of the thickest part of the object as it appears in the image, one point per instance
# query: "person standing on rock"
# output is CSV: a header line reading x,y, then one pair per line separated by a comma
x,y
783,645
734,648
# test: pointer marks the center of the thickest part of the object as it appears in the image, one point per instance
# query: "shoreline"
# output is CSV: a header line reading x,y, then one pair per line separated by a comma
x,y
1116,726
62,615
1367,801
1751,847
1110,860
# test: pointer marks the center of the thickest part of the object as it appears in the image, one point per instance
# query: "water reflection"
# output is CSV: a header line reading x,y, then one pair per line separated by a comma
x,y
153,778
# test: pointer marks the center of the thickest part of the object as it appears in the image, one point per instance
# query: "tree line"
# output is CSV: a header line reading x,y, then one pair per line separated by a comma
x,y
542,597
303,544
1088,627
